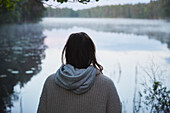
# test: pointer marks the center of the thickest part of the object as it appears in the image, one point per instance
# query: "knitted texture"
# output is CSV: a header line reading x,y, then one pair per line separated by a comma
x,y
102,97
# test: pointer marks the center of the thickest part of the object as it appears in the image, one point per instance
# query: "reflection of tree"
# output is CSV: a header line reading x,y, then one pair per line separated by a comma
x,y
21,51
164,38
152,31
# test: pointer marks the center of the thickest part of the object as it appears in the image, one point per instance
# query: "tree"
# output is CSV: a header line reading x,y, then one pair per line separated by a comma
x,y
9,4
22,12
81,1
165,8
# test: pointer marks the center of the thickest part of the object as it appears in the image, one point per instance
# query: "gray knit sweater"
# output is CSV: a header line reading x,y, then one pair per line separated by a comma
x,y
102,97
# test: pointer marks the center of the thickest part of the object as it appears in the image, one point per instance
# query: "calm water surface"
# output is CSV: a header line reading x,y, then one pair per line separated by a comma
x,y
125,48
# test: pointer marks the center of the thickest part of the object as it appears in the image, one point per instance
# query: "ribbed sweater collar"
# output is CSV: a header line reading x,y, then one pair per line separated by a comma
x,y
77,80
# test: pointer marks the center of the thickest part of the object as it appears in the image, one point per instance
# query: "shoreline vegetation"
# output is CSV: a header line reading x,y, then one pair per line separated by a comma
x,y
157,9
23,12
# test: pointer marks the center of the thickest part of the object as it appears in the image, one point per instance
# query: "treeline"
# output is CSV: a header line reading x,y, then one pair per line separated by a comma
x,y
65,12
33,11
23,11
153,10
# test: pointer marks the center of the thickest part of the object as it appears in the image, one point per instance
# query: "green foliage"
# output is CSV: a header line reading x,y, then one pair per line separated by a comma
x,y
157,97
65,12
154,97
24,11
149,11
80,1
165,8
19,11
8,4
152,10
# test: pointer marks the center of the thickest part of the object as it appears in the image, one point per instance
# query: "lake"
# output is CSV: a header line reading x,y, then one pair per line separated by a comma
x,y
128,49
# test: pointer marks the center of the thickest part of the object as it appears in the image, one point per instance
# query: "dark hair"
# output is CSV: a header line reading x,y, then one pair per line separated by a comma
x,y
80,51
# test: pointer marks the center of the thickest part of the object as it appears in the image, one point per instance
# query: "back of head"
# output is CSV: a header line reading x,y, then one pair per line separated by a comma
x,y
80,51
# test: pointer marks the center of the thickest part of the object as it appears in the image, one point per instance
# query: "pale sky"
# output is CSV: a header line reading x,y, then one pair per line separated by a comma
x,y
93,3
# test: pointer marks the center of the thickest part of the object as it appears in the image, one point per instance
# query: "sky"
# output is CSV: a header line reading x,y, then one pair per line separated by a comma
x,y
93,3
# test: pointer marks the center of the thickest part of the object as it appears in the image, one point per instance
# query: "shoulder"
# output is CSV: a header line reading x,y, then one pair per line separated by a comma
x,y
105,85
105,82
108,84
49,79
104,79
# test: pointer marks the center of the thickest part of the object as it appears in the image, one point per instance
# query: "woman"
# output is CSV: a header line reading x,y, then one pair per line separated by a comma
x,y
79,85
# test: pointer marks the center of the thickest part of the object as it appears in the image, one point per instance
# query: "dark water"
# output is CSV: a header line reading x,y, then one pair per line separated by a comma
x,y
31,52
21,51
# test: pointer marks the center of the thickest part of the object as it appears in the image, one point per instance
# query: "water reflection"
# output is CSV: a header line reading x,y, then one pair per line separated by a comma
x,y
21,51
154,29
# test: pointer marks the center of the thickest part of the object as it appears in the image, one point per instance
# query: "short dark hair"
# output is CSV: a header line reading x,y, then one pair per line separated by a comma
x,y
80,51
